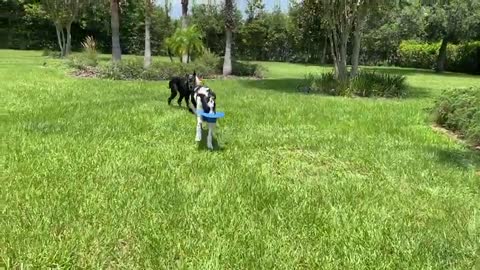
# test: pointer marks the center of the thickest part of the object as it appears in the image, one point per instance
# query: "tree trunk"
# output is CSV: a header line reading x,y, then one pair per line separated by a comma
x,y
324,52
184,24
357,38
355,54
58,28
64,42
442,56
227,61
115,24
68,47
10,31
343,55
147,61
170,55
339,54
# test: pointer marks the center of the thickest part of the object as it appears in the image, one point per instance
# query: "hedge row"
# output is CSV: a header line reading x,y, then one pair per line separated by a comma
x,y
207,66
459,111
460,58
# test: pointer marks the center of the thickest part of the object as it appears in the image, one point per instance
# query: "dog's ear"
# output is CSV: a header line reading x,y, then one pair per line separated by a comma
x,y
194,73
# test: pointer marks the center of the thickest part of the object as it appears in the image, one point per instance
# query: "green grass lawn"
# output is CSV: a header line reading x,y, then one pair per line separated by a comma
x,y
103,174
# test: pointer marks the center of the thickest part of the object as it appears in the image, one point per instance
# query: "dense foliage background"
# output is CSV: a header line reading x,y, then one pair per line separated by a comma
x,y
407,33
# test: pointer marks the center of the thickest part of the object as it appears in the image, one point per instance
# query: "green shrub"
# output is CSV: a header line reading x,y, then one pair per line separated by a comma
x,y
127,69
89,46
464,58
209,64
81,62
365,84
372,84
326,83
459,111
50,53
247,69
460,58
206,67
164,71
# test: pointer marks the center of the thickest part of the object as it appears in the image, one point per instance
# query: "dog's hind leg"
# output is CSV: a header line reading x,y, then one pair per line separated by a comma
x,y
173,89
180,100
172,96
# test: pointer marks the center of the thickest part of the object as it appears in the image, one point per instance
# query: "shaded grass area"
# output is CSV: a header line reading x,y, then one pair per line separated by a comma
x,y
104,174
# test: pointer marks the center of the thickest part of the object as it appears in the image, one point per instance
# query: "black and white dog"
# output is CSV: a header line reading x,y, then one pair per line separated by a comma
x,y
201,97
204,99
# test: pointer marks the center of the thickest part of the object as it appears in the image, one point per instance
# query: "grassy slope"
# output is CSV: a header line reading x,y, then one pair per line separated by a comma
x,y
102,173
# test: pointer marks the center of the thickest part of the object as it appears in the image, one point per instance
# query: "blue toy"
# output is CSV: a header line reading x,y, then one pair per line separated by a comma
x,y
210,117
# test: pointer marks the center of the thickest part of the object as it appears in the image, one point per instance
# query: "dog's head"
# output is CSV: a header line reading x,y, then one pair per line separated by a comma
x,y
208,99
192,81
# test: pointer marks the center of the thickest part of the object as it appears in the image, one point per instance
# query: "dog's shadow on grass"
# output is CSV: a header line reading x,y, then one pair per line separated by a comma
x,y
202,145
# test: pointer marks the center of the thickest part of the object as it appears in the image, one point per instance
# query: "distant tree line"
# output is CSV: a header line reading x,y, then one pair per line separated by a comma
x,y
343,33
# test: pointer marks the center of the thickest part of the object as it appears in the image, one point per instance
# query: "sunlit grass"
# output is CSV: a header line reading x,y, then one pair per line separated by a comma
x,y
101,174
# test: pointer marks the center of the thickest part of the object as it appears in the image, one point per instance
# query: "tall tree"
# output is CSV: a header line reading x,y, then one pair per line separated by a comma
x,y
360,11
447,20
147,61
115,24
62,13
168,8
308,31
229,27
255,8
184,24
340,18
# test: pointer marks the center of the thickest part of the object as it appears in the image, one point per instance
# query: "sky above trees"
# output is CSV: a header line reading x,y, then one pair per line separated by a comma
x,y
241,4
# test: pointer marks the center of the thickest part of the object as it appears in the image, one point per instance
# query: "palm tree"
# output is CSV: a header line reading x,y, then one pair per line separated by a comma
x,y
186,41
115,23
184,23
229,27
147,61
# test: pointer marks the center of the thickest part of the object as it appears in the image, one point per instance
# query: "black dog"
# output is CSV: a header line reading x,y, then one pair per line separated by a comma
x,y
185,86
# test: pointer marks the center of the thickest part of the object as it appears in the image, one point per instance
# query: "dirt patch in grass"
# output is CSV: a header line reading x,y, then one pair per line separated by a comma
x,y
85,73
454,136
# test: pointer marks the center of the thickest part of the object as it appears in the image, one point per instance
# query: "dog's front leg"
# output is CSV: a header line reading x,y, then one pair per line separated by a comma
x,y
211,128
199,128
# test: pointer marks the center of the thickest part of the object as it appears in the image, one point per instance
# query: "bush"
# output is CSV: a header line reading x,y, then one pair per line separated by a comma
x,y
326,83
127,69
460,58
164,71
88,59
207,66
50,53
366,84
371,84
81,62
247,69
89,46
459,111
